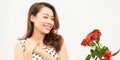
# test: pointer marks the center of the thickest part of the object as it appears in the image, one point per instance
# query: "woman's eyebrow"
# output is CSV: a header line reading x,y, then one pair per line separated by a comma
x,y
47,14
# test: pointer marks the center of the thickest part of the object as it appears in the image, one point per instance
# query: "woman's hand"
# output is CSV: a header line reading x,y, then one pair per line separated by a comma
x,y
30,46
45,55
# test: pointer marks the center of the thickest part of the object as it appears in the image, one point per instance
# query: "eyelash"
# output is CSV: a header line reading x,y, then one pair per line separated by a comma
x,y
52,18
47,18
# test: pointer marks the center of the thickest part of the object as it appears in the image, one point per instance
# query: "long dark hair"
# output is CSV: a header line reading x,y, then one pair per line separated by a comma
x,y
52,38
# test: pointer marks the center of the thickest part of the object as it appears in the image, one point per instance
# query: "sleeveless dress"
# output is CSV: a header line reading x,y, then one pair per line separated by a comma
x,y
37,56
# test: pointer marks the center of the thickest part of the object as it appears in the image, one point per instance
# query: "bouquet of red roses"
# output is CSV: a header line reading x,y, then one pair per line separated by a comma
x,y
97,51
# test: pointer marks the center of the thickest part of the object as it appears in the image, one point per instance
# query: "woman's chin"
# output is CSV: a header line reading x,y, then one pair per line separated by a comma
x,y
46,32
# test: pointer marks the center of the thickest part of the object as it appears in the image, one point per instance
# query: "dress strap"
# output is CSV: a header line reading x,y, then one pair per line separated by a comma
x,y
23,44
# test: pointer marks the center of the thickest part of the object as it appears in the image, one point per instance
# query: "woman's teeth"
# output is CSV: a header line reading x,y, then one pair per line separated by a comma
x,y
47,26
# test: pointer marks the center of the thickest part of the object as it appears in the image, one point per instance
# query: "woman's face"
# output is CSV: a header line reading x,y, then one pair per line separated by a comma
x,y
44,20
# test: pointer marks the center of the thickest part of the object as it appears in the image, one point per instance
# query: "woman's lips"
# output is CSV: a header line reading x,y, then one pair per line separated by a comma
x,y
48,27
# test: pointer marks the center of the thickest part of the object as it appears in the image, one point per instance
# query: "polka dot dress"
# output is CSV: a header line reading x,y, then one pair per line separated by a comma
x,y
37,56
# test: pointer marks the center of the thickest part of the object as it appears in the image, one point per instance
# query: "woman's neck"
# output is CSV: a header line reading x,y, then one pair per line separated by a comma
x,y
38,36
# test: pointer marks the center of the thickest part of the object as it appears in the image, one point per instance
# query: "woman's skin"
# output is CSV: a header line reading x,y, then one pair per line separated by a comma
x,y
43,23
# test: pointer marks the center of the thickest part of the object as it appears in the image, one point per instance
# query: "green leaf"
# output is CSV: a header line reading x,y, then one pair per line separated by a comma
x,y
88,57
104,49
93,44
92,53
100,53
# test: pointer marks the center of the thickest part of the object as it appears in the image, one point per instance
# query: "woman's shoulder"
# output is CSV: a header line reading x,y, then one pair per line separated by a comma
x,y
22,41
18,50
19,44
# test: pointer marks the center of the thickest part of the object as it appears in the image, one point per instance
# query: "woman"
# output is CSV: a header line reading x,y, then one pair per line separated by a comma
x,y
41,41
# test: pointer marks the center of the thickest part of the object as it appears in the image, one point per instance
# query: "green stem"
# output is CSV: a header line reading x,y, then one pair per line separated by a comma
x,y
99,46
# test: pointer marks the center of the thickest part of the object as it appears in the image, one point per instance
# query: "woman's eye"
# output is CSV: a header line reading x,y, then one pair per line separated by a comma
x,y
45,17
52,18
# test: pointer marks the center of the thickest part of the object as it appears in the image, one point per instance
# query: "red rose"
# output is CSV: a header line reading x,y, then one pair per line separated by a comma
x,y
90,37
97,47
108,54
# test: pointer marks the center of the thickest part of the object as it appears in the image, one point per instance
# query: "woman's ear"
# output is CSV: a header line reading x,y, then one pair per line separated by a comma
x,y
32,18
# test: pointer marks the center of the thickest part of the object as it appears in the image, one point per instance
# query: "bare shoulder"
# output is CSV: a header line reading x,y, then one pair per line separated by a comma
x,y
18,46
18,51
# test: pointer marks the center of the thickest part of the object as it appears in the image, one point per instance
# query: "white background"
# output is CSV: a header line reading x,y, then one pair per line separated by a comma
x,y
77,19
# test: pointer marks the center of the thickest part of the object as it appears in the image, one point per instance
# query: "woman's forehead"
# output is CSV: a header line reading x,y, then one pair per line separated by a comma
x,y
46,11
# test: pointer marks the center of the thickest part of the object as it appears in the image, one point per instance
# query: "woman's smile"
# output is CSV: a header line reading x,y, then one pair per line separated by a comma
x,y
47,26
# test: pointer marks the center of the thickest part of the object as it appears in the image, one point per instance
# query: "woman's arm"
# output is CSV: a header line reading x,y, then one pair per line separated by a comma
x,y
63,55
27,54
18,52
